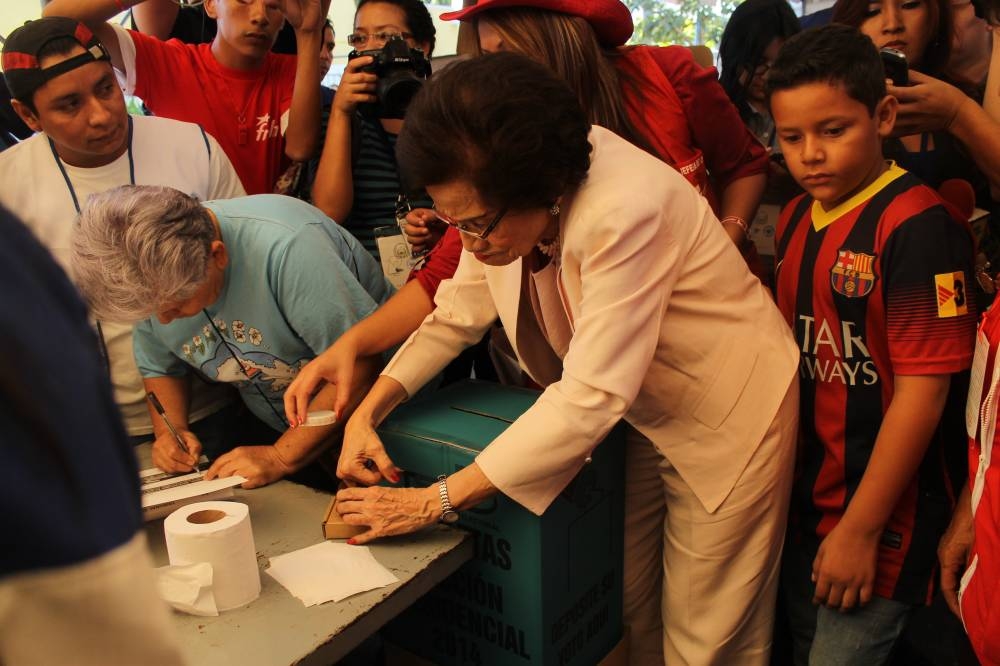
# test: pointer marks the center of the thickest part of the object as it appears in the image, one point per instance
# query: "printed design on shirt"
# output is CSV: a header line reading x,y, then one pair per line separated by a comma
x,y
834,352
951,298
242,334
233,365
237,331
853,274
222,360
695,173
267,128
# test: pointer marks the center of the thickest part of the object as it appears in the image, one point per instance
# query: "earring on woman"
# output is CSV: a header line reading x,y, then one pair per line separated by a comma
x,y
551,246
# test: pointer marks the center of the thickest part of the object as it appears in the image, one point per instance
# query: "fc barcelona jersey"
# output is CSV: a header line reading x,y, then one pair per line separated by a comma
x,y
875,288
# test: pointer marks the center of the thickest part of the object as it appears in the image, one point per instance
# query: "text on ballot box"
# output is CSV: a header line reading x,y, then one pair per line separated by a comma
x,y
541,589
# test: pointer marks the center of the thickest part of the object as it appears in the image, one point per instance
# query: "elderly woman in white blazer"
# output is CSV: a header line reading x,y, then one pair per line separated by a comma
x,y
623,296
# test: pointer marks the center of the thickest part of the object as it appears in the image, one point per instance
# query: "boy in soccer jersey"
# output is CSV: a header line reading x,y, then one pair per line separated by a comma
x,y
872,271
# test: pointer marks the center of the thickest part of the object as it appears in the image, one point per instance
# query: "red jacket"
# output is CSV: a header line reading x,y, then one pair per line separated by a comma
x,y
979,595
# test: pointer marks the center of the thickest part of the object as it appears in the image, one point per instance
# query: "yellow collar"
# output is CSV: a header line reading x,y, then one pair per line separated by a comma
x,y
824,218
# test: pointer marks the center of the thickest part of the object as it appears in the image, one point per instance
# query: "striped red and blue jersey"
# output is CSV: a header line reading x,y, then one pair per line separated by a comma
x,y
875,288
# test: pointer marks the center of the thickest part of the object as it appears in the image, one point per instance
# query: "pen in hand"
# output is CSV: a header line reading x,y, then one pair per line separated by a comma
x,y
170,426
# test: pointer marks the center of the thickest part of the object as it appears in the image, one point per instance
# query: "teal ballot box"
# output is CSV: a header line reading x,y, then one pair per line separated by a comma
x,y
541,589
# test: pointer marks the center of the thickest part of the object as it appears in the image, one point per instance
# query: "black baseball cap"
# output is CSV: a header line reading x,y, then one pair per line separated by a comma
x,y
21,69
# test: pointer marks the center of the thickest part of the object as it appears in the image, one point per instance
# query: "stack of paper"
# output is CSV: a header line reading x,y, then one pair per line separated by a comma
x,y
163,492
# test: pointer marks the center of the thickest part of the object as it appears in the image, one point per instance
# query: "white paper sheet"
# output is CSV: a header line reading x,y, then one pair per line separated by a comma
x,y
329,571
162,492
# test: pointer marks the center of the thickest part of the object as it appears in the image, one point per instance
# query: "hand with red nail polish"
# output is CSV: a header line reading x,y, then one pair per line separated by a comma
x,y
388,511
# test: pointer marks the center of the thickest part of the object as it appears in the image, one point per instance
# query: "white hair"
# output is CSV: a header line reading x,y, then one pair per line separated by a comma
x,y
136,248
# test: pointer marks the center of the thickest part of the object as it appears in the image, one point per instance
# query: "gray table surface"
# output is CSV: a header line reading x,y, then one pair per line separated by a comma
x,y
276,629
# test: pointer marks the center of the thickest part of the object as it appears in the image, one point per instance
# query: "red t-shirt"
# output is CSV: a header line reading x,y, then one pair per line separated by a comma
x,y
242,109
872,290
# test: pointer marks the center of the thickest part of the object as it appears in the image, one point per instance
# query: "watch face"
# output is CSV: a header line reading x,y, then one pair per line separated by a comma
x,y
449,517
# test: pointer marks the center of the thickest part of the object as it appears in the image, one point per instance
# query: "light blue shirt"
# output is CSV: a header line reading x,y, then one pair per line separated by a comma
x,y
295,282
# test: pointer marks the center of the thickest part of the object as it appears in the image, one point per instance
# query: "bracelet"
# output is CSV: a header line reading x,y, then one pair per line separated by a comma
x,y
738,221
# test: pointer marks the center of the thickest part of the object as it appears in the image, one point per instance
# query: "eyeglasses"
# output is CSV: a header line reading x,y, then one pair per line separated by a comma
x,y
360,39
464,227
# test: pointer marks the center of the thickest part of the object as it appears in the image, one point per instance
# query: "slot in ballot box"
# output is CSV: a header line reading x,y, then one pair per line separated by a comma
x,y
540,589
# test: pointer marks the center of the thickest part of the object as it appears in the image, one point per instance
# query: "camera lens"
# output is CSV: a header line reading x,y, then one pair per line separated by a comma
x,y
395,92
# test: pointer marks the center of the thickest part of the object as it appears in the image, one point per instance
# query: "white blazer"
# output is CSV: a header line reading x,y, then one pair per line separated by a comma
x,y
670,332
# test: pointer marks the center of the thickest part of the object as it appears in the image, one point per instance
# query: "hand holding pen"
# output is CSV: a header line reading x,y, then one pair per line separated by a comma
x,y
175,450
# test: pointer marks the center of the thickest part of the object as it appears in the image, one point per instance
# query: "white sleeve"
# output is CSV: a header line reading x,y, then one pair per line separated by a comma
x,y
126,79
225,183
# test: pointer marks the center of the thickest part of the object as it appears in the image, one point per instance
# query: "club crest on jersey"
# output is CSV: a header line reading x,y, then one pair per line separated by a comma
x,y
853,274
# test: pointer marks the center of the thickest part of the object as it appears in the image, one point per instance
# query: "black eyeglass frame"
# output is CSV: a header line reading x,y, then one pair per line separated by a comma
x,y
481,235
354,39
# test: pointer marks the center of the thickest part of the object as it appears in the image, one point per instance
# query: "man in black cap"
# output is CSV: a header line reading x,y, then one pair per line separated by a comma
x,y
262,107
63,87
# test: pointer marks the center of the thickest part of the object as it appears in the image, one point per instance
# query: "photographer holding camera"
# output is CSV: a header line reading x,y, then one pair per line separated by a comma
x,y
357,183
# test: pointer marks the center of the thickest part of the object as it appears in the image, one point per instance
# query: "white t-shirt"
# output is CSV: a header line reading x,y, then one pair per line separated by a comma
x,y
164,152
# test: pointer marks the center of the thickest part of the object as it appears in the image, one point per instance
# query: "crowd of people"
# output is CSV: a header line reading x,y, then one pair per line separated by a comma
x,y
808,450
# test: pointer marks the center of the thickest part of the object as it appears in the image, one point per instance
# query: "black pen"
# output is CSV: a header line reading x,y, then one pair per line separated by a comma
x,y
170,426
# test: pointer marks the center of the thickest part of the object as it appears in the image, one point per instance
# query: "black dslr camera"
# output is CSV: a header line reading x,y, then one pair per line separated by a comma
x,y
400,70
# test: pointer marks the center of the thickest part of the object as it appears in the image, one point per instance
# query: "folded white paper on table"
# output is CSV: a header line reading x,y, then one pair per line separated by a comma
x,y
188,588
329,571
163,492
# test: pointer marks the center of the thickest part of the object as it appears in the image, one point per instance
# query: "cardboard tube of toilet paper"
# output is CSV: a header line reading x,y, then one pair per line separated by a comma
x,y
218,533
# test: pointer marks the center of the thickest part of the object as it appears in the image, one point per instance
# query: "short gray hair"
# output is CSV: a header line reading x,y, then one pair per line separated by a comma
x,y
138,247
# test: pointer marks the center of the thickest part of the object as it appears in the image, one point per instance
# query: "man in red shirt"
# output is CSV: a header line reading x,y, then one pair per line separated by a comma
x,y
262,107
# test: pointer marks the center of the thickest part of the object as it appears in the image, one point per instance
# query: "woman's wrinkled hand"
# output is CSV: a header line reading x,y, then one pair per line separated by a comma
x,y
388,511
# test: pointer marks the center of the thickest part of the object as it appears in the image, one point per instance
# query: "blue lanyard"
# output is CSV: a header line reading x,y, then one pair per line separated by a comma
x,y
69,183
103,347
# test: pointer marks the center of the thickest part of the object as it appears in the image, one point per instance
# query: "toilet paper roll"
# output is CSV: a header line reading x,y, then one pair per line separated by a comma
x,y
218,533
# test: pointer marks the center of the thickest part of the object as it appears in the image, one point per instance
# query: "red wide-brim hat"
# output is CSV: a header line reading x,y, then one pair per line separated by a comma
x,y
610,19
